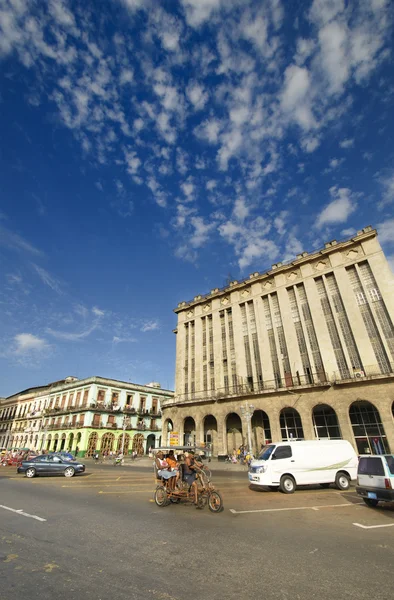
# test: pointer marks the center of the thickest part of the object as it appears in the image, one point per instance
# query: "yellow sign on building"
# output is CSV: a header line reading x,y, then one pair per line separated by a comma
x,y
174,438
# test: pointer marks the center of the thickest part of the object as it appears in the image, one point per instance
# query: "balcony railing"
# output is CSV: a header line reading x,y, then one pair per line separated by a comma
x,y
290,382
364,373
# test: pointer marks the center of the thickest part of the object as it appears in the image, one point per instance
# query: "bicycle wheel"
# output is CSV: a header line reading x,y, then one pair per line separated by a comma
x,y
161,497
215,501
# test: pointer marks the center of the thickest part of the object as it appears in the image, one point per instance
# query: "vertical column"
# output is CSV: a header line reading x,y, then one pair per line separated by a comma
x,y
265,354
217,351
323,337
290,334
180,357
238,343
306,420
273,416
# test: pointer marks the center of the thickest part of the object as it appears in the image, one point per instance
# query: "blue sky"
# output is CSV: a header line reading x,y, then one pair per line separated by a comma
x,y
151,150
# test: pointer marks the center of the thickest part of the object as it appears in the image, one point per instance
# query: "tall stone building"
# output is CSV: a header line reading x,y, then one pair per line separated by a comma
x,y
303,351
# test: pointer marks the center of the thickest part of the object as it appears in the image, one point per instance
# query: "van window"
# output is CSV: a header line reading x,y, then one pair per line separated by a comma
x,y
371,466
282,452
266,452
390,463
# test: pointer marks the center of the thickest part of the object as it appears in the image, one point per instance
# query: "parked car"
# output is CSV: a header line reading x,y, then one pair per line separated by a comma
x,y
288,464
50,464
375,479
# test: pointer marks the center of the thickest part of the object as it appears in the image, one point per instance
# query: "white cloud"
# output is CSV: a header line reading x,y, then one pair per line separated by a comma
x,y
333,40
12,240
201,232
241,210
27,342
349,232
123,340
386,231
339,209
197,95
198,11
295,99
347,143
73,336
280,222
98,312
151,325
46,278
324,11
387,183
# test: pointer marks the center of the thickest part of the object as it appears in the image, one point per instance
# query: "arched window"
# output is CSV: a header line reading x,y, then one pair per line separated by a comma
x,y
325,422
290,424
368,429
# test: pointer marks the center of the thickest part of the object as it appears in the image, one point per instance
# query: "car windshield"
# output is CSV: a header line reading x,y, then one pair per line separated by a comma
x,y
266,452
390,463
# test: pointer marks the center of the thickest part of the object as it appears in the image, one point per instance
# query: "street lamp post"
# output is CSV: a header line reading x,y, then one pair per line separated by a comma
x,y
247,412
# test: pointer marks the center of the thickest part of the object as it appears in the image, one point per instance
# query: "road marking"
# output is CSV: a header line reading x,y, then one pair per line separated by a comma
x,y
112,485
21,512
264,510
373,526
130,492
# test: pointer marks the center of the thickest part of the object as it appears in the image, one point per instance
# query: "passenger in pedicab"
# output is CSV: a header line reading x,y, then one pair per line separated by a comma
x,y
174,466
164,470
189,472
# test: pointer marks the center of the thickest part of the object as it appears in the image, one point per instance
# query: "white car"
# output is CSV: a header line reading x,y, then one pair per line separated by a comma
x,y
375,479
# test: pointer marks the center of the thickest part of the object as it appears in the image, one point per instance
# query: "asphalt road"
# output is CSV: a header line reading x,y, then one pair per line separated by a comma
x,y
103,537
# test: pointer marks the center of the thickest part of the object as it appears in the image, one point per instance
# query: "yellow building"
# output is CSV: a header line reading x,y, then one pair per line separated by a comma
x,y
305,350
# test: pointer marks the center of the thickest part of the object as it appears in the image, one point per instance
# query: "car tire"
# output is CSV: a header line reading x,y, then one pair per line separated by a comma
x,y
371,502
30,473
325,485
342,481
287,484
69,472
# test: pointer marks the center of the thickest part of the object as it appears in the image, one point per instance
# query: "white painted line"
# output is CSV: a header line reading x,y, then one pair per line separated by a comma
x,y
264,510
372,526
21,512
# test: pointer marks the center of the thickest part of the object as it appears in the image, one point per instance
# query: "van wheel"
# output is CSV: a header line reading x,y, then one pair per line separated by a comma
x,y
287,484
325,485
371,502
342,481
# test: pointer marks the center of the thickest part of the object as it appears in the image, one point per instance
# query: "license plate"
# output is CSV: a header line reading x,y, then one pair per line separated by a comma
x,y
372,495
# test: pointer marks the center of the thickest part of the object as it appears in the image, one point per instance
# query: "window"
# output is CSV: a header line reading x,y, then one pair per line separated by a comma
x,y
371,466
390,463
282,452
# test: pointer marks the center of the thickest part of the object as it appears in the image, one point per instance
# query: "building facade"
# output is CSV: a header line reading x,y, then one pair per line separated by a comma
x,y
89,414
303,351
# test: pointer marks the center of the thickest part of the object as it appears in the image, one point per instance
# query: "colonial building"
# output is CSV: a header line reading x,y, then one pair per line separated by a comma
x,y
303,351
88,414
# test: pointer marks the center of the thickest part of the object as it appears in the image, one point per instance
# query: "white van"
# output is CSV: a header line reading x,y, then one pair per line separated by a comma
x,y
288,464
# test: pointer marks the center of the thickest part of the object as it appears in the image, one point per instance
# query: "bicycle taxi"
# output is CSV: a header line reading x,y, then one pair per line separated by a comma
x,y
179,489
